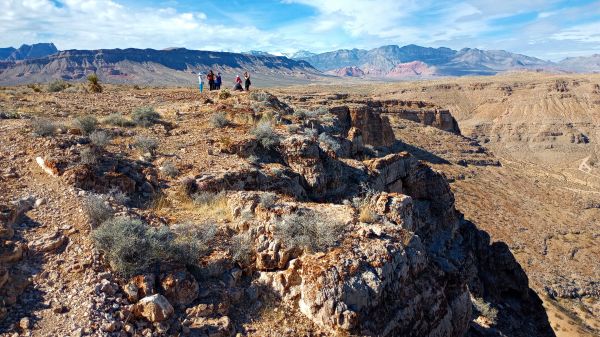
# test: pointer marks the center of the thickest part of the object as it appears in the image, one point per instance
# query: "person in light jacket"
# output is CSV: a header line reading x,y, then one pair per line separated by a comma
x,y
201,81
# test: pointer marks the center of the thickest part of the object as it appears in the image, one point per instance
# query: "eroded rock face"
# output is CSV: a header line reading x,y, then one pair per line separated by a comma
x,y
375,128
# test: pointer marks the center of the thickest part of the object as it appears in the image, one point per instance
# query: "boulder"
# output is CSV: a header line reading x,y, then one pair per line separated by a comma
x,y
48,166
155,308
180,288
213,327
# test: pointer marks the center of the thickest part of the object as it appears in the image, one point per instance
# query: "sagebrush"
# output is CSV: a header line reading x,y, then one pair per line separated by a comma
x,y
307,230
145,116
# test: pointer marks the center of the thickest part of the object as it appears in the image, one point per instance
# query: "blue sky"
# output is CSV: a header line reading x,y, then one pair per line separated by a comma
x,y
549,29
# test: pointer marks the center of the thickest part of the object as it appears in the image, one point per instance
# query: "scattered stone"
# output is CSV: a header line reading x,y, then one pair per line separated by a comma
x,y
155,308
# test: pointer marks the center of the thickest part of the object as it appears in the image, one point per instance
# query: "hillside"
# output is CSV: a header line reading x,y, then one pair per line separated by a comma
x,y
173,67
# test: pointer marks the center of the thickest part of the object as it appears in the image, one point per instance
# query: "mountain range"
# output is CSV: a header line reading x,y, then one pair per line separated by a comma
x,y
178,66
26,52
385,61
173,66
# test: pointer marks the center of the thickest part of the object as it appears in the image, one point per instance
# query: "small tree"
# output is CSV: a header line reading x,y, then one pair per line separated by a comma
x,y
94,83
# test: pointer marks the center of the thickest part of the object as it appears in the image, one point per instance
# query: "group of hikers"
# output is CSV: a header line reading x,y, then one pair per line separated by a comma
x,y
214,81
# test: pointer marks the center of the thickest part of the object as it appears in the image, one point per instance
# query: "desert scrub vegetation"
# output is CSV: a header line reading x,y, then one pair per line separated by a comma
x,y
145,144
268,200
35,87
145,116
260,96
224,94
87,124
9,115
265,134
99,139
88,156
57,86
483,308
94,83
309,231
97,210
329,143
211,205
241,249
131,246
43,127
118,120
169,169
219,120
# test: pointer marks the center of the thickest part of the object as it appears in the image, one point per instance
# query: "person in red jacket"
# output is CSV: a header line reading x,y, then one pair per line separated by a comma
x,y
238,84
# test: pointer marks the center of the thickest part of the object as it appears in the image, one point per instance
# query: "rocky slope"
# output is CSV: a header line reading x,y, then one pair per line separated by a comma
x,y
531,179
160,67
323,225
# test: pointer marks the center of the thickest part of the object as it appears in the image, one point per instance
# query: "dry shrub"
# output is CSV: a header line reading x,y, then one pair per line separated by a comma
x,y
266,136
145,144
212,205
219,120
43,127
97,210
132,247
57,86
87,124
241,248
145,116
117,120
306,230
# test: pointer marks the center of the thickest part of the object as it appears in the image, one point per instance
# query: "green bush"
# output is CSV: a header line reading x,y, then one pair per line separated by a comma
x,y
266,135
132,247
145,116
57,86
87,124
307,231
94,83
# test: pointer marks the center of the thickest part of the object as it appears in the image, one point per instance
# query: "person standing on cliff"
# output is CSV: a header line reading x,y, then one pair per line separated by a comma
x,y
211,80
201,81
247,81
218,82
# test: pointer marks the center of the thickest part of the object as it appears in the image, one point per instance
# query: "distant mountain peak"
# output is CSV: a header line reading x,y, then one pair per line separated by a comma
x,y
27,52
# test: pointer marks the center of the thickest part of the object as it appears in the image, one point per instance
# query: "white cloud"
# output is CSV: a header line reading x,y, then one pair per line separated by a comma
x,y
108,24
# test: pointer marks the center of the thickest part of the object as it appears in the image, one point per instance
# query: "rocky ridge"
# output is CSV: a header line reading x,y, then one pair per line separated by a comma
x,y
401,261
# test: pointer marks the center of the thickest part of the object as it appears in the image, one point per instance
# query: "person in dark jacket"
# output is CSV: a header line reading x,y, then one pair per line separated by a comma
x,y
218,82
211,80
247,81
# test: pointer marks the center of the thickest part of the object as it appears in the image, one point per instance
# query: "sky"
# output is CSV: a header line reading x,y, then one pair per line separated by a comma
x,y
548,29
